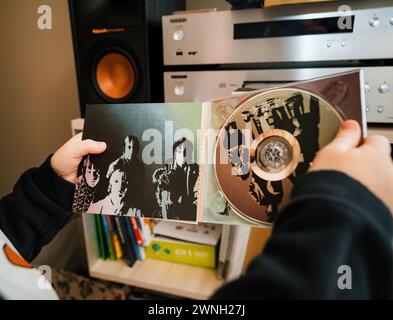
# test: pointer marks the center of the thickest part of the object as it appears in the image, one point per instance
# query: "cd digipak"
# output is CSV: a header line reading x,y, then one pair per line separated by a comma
x,y
231,160
269,140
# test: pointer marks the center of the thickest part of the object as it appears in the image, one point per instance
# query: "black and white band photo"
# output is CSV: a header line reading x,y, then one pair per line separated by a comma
x,y
122,182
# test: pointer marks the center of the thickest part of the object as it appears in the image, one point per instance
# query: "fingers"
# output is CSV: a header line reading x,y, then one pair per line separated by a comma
x,y
89,146
379,143
347,137
93,147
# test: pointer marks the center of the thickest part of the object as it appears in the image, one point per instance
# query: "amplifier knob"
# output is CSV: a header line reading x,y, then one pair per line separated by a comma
x,y
374,22
367,109
178,35
179,90
380,109
383,88
391,21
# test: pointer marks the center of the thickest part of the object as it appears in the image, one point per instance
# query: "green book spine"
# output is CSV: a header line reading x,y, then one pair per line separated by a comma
x,y
108,236
100,237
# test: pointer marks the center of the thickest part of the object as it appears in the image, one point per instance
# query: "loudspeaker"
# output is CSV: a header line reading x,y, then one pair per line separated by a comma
x,y
118,49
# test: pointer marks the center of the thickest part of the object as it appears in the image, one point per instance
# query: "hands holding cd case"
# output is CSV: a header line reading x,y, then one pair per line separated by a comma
x,y
232,160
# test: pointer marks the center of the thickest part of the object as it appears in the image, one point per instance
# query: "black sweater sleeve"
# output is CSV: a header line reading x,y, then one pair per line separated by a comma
x,y
38,207
332,220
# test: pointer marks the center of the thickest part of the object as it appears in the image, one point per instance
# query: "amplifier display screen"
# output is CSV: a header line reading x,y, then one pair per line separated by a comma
x,y
289,28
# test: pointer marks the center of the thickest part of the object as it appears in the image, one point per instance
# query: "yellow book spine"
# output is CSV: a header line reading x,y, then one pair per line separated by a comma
x,y
116,244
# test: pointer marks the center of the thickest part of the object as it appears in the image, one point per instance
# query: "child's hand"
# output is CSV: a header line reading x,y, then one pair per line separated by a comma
x,y
370,163
65,161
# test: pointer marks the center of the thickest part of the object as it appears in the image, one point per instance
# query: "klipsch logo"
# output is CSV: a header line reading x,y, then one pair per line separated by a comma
x,y
44,21
107,30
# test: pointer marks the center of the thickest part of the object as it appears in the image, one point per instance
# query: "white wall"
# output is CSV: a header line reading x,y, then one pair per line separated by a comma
x,y
38,93
38,98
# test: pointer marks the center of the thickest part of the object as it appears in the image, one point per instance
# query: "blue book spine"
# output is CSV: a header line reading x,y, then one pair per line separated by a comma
x,y
133,239
108,237
131,254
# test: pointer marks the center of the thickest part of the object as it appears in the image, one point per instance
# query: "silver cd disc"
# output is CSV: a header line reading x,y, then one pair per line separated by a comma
x,y
266,144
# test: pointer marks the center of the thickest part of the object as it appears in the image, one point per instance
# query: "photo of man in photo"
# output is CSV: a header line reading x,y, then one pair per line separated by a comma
x,y
124,176
114,202
176,183
86,186
133,170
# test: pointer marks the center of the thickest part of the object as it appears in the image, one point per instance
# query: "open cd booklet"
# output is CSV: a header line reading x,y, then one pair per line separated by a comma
x,y
232,160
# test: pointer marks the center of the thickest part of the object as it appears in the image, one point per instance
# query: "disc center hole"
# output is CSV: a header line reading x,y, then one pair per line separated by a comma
x,y
273,154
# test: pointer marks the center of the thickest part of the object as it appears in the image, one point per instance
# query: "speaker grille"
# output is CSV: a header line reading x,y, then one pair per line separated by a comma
x,y
115,76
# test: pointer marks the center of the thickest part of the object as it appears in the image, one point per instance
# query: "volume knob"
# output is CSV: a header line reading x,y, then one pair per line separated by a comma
x,y
178,35
383,88
374,22
179,90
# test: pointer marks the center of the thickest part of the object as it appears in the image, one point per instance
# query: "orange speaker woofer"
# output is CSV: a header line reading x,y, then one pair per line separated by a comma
x,y
116,75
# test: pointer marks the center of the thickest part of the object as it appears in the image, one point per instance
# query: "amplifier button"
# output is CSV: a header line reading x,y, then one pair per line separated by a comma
x,y
383,88
367,87
374,22
178,35
179,90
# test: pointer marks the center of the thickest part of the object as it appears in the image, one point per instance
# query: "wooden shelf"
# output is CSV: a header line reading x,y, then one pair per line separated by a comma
x,y
162,276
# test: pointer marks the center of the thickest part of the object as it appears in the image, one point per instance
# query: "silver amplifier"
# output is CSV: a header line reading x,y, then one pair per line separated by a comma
x,y
300,33
185,86
209,55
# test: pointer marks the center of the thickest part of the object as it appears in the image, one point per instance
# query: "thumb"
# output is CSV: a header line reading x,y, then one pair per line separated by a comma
x,y
347,137
89,146
79,148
